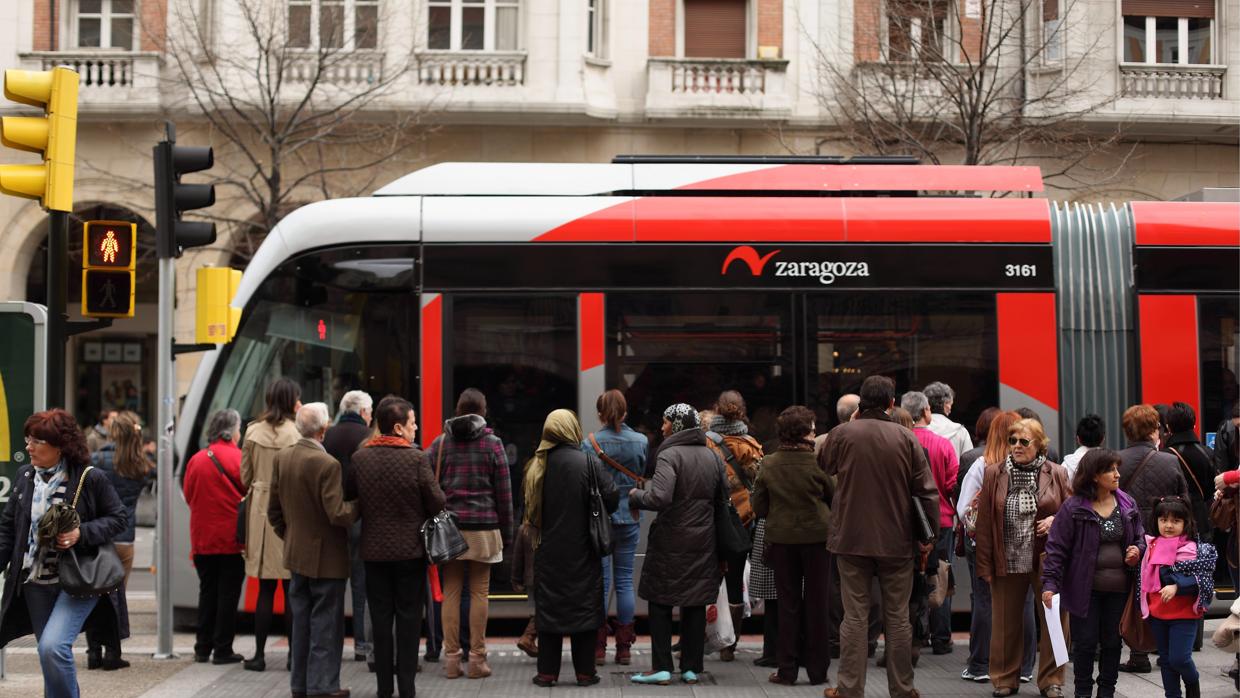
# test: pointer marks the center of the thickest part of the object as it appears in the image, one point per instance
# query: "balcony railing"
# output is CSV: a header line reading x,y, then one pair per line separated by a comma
x,y
343,69
1172,81
727,85
471,68
108,80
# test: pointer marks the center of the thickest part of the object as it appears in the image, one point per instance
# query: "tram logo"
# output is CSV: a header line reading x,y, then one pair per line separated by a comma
x,y
750,257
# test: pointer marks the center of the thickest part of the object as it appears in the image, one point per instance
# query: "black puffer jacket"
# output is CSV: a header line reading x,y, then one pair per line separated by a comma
x,y
681,568
1162,476
568,578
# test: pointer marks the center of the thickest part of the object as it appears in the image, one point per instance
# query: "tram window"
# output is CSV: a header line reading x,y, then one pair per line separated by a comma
x,y
1219,321
689,347
914,339
332,321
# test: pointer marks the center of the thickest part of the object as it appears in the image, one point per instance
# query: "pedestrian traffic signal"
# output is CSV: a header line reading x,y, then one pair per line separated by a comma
x,y
109,257
54,136
217,318
172,198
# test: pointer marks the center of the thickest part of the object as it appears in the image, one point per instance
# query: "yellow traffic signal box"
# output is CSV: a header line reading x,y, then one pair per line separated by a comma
x,y
53,135
216,318
109,257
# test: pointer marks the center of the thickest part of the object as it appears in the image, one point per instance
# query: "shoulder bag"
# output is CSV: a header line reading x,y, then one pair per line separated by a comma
x,y
731,537
84,572
241,505
599,523
440,533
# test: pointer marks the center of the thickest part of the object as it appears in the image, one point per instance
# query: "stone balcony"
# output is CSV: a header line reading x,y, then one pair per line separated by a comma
x,y
110,82
687,87
344,69
1199,82
450,69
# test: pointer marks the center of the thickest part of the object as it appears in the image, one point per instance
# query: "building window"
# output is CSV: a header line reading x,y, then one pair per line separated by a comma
x,y
1052,37
596,28
333,24
915,30
105,24
715,28
473,25
1173,32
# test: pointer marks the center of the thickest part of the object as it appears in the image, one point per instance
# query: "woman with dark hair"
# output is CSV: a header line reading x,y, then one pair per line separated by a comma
x,y
1095,540
33,600
264,551
728,434
792,494
620,449
129,471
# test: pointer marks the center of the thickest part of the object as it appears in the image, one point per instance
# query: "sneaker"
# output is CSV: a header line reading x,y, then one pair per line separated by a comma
x,y
970,676
1026,678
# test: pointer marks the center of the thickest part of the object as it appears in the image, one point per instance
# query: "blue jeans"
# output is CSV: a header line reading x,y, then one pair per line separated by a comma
x,y
57,619
1175,650
620,563
317,638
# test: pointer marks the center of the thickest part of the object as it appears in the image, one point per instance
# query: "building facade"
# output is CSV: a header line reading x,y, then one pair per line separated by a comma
x,y
580,81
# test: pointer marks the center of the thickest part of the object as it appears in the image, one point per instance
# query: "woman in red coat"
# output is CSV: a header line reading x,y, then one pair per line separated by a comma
x,y
213,491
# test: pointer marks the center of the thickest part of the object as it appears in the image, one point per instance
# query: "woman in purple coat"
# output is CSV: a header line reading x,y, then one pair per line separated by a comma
x,y
1096,539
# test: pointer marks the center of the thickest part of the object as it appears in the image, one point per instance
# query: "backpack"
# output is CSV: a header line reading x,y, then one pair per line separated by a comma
x,y
738,452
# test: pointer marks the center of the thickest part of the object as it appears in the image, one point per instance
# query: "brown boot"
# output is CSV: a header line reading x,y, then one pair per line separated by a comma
x,y
737,611
600,646
528,642
625,635
452,665
478,667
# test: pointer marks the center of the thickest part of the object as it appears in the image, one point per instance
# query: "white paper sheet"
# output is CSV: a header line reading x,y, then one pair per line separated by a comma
x,y
1058,642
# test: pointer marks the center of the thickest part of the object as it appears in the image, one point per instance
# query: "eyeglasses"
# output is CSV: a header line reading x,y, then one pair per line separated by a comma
x,y
31,441
1012,441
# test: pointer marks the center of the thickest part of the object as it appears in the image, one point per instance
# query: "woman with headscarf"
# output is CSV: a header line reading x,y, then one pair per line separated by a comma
x,y
681,567
568,575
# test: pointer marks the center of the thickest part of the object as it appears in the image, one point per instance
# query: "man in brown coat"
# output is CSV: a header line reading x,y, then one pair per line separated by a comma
x,y
309,514
881,469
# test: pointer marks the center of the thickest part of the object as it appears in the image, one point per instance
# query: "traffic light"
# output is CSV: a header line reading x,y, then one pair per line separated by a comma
x,y
53,135
217,319
172,198
109,255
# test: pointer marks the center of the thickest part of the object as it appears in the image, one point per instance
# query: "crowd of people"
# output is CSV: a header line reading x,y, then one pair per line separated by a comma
x,y
843,536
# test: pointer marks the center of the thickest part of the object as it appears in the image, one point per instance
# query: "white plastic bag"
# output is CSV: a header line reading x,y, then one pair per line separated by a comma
x,y
752,605
719,631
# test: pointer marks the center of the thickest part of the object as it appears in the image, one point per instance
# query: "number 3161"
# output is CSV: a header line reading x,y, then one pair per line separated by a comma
x,y
1021,270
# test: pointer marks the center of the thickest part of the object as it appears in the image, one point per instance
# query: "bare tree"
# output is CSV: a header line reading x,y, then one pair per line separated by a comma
x,y
971,81
296,110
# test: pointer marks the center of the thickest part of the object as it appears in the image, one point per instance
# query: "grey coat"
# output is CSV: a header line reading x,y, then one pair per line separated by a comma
x,y
681,568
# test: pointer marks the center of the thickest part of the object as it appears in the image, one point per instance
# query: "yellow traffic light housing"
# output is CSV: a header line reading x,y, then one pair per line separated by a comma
x,y
217,319
55,136
109,257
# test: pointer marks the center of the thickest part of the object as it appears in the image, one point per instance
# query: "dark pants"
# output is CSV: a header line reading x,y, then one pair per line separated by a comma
x,y
551,649
835,611
734,580
979,627
395,592
1175,652
1100,627
220,578
434,625
941,617
801,578
357,589
317,638
692,637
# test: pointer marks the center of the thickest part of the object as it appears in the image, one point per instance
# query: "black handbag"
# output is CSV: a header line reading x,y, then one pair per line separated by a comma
x,y
731,537
599,523
440,534
86,571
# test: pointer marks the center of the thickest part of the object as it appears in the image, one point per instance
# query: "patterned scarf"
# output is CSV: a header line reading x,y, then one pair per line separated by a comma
x,y
390,441
682,417
728,427
40,502
1020,513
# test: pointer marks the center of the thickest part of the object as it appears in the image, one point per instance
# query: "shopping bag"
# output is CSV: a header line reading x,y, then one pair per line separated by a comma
x,y
719,631
752,605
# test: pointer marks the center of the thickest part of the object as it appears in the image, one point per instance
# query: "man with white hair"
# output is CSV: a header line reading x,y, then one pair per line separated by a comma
x,y
308,512
351,429
941,396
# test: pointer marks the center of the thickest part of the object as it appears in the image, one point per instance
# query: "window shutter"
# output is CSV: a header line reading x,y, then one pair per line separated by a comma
x,y
715,28
1050,10
1199,9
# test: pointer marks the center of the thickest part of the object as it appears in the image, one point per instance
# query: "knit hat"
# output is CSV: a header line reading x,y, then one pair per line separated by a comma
x,y
681,416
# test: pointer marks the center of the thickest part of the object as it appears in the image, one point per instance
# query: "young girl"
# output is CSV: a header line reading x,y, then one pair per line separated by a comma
x,y
1176,584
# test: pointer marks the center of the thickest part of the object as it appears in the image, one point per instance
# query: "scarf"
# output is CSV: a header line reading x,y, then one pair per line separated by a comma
x,y
1021,513
728,427
40,502
1199,565
391,441
561,427
682,417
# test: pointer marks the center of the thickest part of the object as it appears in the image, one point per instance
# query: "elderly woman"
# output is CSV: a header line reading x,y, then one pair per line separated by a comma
x,y
681,567
1096,539
568,575
1015,510
792,494
33,600
213,490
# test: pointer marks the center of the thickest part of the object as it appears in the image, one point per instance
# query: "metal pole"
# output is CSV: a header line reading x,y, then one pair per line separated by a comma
x,y
165,421
57,289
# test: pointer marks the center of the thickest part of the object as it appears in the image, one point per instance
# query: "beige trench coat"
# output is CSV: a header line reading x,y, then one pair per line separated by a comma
x,y
264,551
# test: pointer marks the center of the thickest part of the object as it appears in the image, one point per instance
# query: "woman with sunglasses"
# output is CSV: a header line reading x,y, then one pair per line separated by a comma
x,y
1016,508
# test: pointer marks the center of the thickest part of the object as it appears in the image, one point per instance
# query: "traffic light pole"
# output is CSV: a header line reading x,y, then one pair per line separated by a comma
x,y
57,290
167,431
